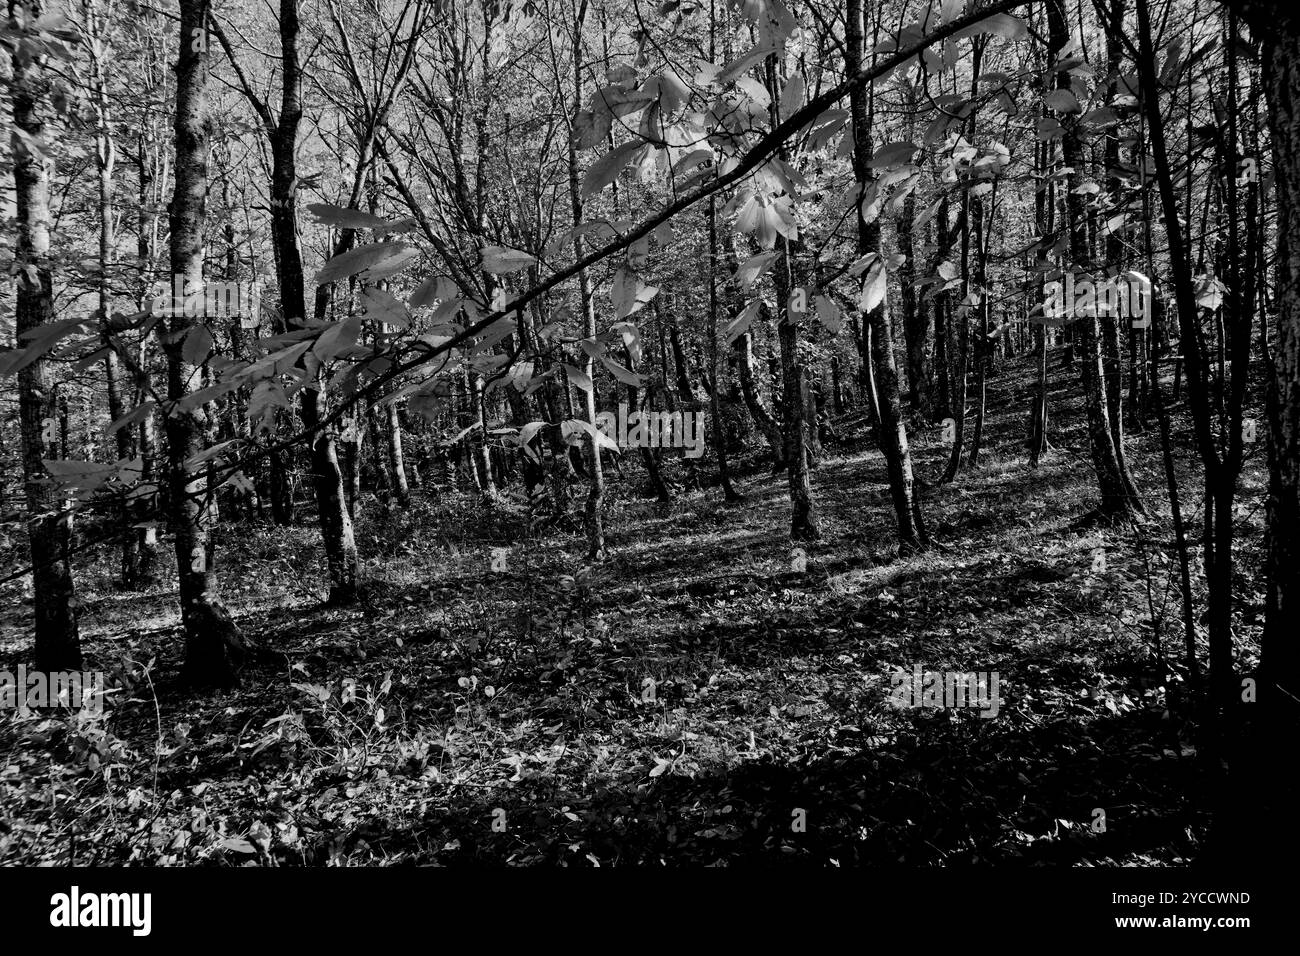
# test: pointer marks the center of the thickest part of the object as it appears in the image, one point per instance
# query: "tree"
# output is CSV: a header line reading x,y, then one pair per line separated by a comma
x,y
32,38
214,644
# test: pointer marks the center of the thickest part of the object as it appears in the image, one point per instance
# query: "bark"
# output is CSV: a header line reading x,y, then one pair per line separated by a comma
x,y
916,319
1044,215
1281,652
715,393
1278,690
685,388
58,645
754,402
959,350
649,456
105,157
327,478
983,347
794,402
396,457
596,479
1119,497
214,645
146,249
892,431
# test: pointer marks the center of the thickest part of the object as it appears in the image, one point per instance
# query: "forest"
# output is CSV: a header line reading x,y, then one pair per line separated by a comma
x,y
581,433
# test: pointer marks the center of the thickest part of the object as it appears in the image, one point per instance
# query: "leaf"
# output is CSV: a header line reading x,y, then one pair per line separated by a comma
x,y
378,259
1062,101
198,343
828,313
927,215
529,431
1002,24
591,128
743,64
333,215
740,324
381,306
266,396
461,435
668,87
578,377
1105,116
874,283
755,90
499,260
216,451
892,154
133,417
521,375
692,159
862,264
792,96
629,294
606,169
337,338
321,694
1049,128
1209,292
43,338
753,269
426,294
572,430
236,845
204,395
624,375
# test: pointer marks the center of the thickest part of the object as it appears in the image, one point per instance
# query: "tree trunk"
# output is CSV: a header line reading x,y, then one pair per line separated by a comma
x,y
1119,497
715,393
327,478
396,458
58,645
892,431
214,646
596,476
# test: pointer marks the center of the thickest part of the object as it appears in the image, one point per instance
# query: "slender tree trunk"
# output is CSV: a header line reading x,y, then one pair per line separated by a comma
x,y
214,645
685,388
743,349
1278,689
983,347
959,349
106,156
1044,217
396,458
1119,497
334,517
146,250
892,430
1281,653
917,319
596,487
58,645
715,393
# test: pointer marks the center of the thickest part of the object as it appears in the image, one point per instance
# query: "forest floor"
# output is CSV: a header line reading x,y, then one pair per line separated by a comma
x,y
462,715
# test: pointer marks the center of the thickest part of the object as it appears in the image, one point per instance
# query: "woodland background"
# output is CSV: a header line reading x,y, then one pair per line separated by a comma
x,y
370,587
